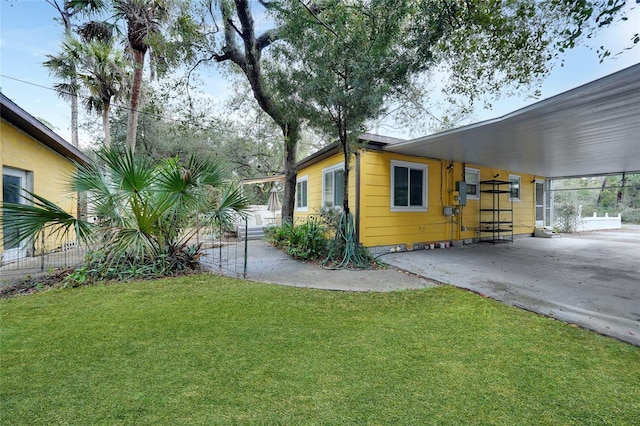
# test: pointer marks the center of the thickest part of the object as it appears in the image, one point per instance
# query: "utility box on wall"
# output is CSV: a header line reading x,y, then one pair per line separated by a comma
x,y
461,189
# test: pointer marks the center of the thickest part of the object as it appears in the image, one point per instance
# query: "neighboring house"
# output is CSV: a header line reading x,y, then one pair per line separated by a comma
x,y
431,189
35,158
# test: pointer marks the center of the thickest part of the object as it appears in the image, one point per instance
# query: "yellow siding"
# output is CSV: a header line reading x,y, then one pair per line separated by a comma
x,y
49,169
380,226
314,188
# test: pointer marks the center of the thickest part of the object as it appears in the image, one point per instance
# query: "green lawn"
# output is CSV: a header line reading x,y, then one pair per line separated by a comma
x,y
211,350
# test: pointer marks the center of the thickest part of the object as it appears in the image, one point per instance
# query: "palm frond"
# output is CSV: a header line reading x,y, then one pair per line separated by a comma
x,y
97,30
232,203
129,242
29,221
129,173
207,171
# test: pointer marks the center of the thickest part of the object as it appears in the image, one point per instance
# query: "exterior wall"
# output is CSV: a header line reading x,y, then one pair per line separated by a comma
x,y
380,226
523,209
49,171
314,188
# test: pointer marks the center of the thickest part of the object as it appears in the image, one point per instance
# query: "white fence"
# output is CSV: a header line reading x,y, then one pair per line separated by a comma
x,y
593,223
596,223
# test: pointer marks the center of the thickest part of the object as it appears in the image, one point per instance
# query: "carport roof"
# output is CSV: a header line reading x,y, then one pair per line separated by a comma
x,y
590,130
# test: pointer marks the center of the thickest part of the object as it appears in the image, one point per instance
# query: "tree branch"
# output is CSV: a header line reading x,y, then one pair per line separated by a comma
x,y
266,39
230,23
266,4
315,16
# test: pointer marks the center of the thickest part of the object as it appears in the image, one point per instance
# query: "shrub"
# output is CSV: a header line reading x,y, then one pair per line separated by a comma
x,y
148,211
304,242
567,216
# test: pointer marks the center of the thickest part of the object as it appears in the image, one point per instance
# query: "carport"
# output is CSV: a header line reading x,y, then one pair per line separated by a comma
x,y
591,280
590,130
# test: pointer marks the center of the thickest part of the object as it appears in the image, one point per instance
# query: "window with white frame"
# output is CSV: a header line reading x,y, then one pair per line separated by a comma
x,y
472,179
333,185
515,188
302,186
408,186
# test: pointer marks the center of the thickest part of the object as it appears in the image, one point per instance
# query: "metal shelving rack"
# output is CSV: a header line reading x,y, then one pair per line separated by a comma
x,y
496,211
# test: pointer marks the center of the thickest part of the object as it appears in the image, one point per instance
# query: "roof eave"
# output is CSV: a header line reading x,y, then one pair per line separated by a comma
x,y
24,121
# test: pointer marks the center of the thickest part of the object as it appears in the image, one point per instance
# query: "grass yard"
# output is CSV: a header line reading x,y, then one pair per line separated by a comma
x,y
210,350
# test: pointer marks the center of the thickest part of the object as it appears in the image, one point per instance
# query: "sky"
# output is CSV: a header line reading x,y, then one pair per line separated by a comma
x,y
28,32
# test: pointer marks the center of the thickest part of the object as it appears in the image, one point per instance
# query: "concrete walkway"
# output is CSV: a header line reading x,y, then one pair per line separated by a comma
x,y
268,264
589,279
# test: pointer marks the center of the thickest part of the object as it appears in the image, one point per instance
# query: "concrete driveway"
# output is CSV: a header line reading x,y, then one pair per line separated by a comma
x,y
590,279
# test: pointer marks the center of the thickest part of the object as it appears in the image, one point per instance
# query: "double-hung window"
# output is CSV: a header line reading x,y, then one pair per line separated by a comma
x,y
515,188
472,178
408,186
302,186
333,186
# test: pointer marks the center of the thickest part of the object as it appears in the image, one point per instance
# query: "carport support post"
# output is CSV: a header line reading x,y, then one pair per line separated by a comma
x,y
551,201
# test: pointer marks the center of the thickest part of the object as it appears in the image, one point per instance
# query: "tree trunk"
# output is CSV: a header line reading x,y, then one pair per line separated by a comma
x,y
621,190
602,189
291,133
347,161
74,114
249,60
136,94
105,124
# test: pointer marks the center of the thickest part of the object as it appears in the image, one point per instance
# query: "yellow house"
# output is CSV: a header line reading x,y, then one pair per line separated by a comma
x,y
35,158
489,181
410,201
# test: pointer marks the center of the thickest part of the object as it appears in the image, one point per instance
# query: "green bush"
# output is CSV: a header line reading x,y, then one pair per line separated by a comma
x,y
630,215
567,215
149,213
304,242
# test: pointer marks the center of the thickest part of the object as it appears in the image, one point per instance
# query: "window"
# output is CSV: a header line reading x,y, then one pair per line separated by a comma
x,y
301,193
408,186
333,185
515,188
472,178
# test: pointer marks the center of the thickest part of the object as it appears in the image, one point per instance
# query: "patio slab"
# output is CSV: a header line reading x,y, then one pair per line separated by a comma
x,y
589,279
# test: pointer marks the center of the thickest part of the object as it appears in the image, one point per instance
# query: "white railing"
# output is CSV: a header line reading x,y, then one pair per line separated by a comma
x,y
260,215
592,223
595,223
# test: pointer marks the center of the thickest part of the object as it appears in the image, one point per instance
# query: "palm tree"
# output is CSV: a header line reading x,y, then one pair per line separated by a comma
x,y
103,71
66,71
148,212
144,19
63,67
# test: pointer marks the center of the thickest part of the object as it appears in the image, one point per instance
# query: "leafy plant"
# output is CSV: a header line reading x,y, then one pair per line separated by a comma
x,y
330,216
568,216
148,213
304,242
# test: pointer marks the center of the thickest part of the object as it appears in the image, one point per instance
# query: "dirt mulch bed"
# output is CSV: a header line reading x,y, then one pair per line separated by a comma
x,y
34,284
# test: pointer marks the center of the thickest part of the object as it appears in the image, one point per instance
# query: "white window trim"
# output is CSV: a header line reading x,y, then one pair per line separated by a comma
x,y
472,170
339,166
425,185
304,178
519,188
